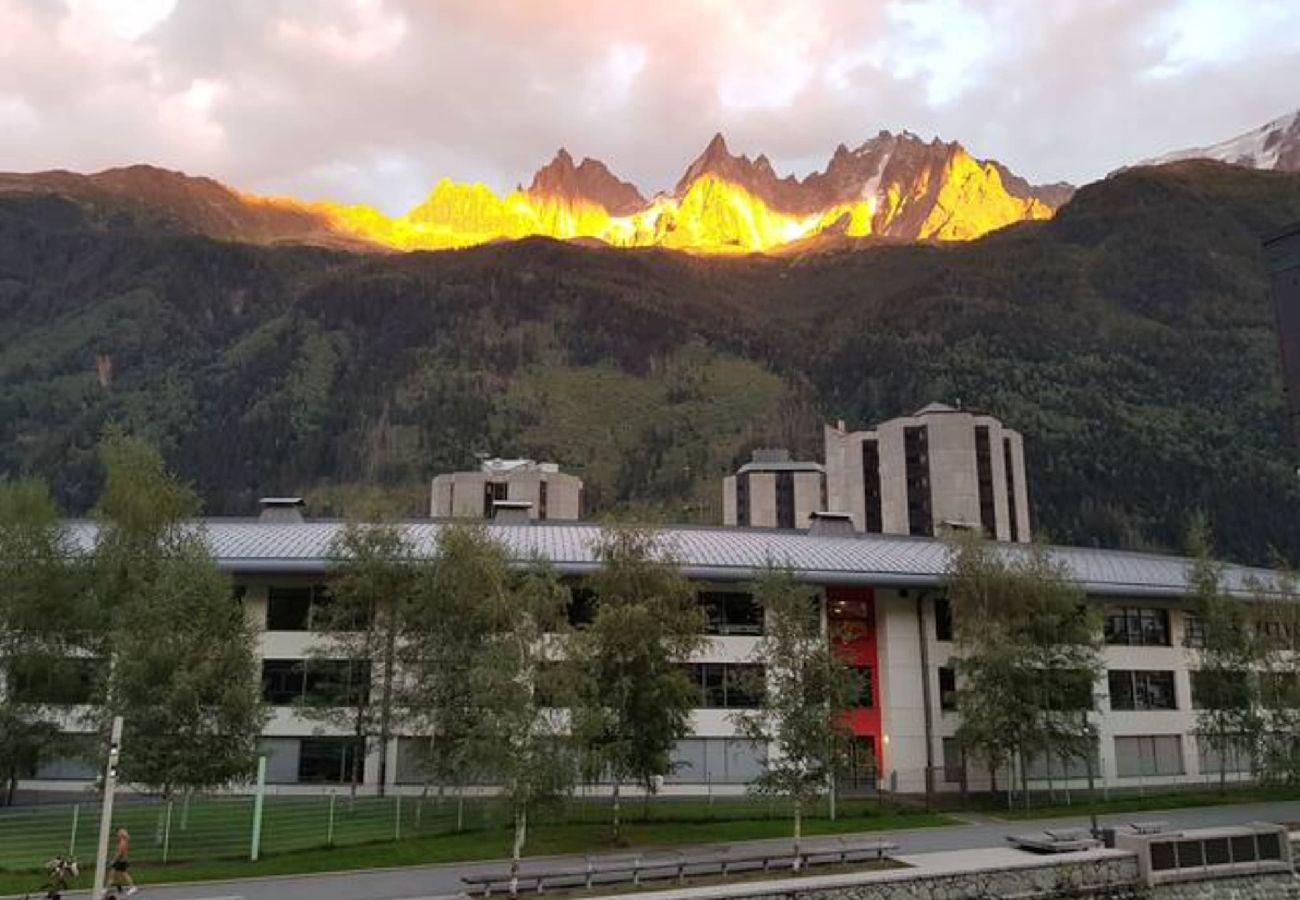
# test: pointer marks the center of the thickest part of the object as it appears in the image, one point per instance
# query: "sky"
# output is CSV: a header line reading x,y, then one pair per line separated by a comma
x,y
374,100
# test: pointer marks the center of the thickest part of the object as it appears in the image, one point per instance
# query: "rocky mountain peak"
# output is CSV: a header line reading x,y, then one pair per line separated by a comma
x,y
590,180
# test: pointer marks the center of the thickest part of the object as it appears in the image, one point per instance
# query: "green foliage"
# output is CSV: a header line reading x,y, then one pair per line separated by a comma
x,y
191,704
634,702
807,695
1131,339
41,613
1027,654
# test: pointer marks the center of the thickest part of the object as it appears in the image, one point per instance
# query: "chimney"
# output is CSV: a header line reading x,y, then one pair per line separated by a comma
x,y
512,512
281,510
831,524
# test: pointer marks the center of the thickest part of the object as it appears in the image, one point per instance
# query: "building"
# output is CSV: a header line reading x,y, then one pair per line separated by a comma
x,y
1282,252
773,491
890,587
540,490
939,467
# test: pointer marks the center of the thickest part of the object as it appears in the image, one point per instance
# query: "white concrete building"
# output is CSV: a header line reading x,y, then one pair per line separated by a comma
x,y
773,491
891,587
550,495
937,467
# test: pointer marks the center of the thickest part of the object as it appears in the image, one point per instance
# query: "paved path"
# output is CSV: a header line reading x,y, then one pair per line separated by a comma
x,y
444,881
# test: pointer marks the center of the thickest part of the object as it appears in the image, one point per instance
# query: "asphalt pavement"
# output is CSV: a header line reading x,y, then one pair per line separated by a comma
x,y
444,881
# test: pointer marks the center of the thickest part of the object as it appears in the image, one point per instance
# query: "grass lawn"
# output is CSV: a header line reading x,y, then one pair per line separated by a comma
x,y
1151,801
688,825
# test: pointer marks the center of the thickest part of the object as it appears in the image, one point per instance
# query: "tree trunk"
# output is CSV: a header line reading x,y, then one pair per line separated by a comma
x,y
386,702
617,811
521,834
798,834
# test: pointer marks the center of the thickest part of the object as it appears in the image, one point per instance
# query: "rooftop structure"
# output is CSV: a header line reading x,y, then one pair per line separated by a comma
x,y
773,491
502,485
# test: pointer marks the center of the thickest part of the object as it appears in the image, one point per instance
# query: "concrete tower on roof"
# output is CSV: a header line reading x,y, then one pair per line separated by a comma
x,y
773,491
517,489
941,467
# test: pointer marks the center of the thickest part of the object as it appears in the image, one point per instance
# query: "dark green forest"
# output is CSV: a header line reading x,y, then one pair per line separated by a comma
x,y
1130,339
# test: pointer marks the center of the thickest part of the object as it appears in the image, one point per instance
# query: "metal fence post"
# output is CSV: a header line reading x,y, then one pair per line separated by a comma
x,y
167,833
256,848
329,828
397,818
72,841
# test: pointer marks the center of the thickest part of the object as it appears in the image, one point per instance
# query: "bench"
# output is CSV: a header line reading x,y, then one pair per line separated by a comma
x,y
677,864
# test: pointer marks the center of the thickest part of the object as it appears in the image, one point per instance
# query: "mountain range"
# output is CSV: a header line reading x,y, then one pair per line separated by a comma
x,y
893,187
1273,145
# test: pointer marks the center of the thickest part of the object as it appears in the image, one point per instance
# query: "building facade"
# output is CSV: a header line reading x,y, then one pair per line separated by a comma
x,y
940,467
890,589
550,494
773,491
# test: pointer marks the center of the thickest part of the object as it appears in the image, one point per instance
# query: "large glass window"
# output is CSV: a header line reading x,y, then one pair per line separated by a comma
x,y
731,612
1141,689
866,689
331,760
727,686
55,680
947,688
319,682
1138,626
1149,754
716,761
1229,754
942,619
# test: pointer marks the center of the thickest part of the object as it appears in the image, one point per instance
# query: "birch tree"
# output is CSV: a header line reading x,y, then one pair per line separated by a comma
x,y
519,738
803,720
634,700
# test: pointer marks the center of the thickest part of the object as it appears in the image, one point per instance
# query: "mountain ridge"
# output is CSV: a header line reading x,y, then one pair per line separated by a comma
x,y
890,187
1273,145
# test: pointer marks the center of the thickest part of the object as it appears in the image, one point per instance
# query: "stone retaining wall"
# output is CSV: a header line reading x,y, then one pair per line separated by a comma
x,y
1248,887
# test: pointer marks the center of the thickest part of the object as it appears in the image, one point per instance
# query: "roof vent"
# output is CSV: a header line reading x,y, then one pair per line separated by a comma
x,y
831,524
281,510
512,512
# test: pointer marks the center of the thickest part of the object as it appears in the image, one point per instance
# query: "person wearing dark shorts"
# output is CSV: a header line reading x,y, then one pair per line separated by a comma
x,y
118,869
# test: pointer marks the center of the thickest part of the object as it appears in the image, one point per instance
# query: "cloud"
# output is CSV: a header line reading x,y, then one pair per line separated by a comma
x,y
373,100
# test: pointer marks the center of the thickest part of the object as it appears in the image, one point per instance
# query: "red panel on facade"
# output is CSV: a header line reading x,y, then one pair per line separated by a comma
x,y
851,615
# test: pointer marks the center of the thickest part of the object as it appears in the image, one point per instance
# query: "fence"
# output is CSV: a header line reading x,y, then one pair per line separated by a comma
x,y
209,828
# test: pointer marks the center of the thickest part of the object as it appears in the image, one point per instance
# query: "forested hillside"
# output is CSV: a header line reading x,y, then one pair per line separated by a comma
x,y
1130,339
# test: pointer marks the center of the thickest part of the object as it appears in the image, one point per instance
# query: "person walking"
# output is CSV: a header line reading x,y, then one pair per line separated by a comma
x,y
118,868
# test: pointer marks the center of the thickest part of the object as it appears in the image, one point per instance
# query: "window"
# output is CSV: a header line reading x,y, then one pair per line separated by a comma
x,y
1279,690
917,458
785,500
323,682
984,472
331,760
724,686
716,761
866,697
1152,754
1228,754
306,608
494,491
871,485
74,757
742,500
1067,689
1008,460
54,680
1064,765
1193,631
731,612
947,689
582,604
1137,626
1141,689
942,619
541,500
953,760
1220,689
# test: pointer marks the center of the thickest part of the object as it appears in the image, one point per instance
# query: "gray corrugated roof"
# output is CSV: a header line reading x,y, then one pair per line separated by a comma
x,y
251,547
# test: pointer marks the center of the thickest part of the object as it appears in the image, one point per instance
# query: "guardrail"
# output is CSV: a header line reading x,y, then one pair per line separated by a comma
x,y
679,864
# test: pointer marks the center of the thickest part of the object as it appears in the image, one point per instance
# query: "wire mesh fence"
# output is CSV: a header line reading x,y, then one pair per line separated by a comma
x,y
221,827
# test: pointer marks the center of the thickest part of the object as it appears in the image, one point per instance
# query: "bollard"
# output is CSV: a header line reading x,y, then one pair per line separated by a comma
x,y
329,829
167,833
256,848
72,841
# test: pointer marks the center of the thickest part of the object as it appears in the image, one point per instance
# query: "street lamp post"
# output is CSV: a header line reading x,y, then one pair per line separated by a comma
x,y
106,816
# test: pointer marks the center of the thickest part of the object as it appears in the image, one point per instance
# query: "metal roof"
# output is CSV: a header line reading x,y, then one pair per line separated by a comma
x,y
243,546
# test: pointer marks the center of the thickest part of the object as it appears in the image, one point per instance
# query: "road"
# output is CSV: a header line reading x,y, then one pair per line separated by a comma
x,y
444,881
